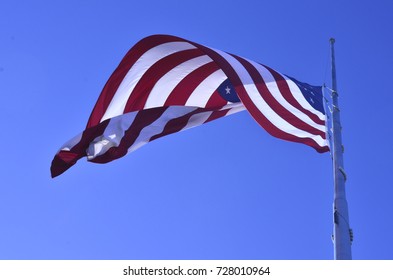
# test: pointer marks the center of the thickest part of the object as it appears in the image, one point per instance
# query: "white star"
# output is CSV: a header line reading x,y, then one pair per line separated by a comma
x,y
228,90
312,100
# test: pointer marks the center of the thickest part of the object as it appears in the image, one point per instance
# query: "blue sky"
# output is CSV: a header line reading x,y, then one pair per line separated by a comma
x,y
225,190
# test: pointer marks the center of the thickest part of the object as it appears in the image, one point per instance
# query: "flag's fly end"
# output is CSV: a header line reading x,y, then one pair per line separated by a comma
x,y
62,162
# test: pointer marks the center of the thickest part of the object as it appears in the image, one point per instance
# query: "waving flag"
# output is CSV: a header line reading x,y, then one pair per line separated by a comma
x,y
167,84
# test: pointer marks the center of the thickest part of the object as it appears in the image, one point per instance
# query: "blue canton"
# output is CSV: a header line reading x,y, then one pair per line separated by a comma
x,y
313,94
227,91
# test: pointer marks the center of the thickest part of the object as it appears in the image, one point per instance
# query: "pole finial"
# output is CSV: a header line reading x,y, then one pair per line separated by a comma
x,y
332,40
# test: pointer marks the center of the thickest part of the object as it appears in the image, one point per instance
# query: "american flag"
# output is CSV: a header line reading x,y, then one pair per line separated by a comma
x,y
166,84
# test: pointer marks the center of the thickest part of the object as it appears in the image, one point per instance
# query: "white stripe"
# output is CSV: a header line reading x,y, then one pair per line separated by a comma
x,y
201,118
112,135
71,143
236,109
239,105
119,100
262,106
202,93
163,88
273,88
197,119
158,125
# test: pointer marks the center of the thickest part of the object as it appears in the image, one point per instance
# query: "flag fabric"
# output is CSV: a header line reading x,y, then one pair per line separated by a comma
x,y
166,84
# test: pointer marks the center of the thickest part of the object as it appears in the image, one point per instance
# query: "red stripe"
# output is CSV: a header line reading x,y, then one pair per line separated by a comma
x,y
274,104
177,124
216,100
217,114
286,92
184,89
121,71
139,95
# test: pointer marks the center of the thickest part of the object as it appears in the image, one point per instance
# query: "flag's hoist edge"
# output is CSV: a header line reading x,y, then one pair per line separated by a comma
x,y
166,84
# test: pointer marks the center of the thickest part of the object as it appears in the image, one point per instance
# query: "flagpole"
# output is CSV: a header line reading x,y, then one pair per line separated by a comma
x,y
342,236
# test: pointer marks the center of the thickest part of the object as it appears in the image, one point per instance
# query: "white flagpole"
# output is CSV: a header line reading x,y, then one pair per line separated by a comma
x,y
342,236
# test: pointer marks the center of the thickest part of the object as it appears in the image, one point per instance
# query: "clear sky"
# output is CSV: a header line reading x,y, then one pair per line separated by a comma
x,y
224,190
